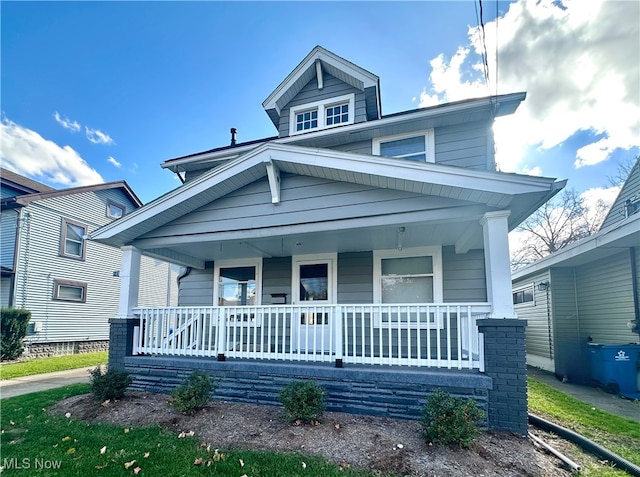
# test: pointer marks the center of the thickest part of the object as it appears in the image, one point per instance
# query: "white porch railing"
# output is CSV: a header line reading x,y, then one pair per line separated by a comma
x,y
429,335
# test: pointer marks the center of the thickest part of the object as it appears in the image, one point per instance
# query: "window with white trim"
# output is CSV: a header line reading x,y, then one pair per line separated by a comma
x,y
69,290
72,242
115,210
324,114
523,295
408,276
416,146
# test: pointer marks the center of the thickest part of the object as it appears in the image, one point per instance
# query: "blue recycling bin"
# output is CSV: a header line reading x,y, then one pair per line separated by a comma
x,y
616,368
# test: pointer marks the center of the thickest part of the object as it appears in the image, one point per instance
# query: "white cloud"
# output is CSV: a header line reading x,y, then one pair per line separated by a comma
x,y
112,160
577,61
534,171
27,153
66,123
98,137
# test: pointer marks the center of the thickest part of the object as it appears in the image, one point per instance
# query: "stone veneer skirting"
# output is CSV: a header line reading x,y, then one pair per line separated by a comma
x,y
371,390
42,350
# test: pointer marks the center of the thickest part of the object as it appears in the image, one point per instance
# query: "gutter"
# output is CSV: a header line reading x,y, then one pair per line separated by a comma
x,y
634,284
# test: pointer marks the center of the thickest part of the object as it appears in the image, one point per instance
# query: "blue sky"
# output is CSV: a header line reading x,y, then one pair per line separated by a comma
x,y
96,92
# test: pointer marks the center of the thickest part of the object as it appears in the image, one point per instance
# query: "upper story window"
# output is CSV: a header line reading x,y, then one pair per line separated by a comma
x,y
72,242
323,114
415,146
115,210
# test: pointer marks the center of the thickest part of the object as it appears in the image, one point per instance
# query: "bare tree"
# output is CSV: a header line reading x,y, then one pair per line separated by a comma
x,y
556,224
622,172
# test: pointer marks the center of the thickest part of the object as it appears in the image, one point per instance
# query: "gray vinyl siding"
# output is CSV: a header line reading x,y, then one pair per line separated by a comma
x,y
537,313
310,93
355,277
631,188
463,145
196,289
463,275
304,199
569,345
276,278
359,147
158,286
8,223
605,299
5,291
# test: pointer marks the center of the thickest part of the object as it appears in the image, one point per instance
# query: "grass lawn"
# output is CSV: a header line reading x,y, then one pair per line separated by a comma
x,y
49,365
45,445
615,433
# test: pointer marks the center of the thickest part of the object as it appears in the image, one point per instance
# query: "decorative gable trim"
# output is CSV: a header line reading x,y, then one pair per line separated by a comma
x,y
320,60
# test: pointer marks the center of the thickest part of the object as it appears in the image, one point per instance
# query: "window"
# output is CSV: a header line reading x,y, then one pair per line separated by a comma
x,y
320,115
115,210
415,146
408,276
237,282
72,242
524,295
67,290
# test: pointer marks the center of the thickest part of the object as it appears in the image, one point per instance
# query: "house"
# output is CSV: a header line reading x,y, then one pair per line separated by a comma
x,y
585,293
69,284
365,251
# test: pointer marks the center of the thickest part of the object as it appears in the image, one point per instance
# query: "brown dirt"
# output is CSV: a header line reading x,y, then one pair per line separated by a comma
x,y
378,444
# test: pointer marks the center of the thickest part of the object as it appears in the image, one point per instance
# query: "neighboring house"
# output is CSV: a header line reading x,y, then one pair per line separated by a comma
x,y
365,251
585,293
69,284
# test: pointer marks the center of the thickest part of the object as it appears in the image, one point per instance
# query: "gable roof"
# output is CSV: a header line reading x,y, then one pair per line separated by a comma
x,y
26,199
336,66
521,194
629,192
21,183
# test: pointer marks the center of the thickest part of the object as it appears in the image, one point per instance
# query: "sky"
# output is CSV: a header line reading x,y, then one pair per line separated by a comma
x,y
96,92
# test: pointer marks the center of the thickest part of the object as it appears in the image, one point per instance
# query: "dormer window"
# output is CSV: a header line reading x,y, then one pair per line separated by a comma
x,y
325,114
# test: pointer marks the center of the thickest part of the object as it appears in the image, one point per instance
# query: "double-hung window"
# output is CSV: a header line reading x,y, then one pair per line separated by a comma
x,y
72,242
409,276
415,146
237,284
323,114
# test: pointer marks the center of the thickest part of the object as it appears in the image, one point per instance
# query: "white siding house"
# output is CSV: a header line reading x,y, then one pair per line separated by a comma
x,y
69,284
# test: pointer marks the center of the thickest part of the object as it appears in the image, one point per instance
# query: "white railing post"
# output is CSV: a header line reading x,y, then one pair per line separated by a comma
x,y
136,340
222,334
337,329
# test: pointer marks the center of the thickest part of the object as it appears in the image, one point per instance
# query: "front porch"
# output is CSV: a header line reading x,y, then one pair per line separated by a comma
x,y
430,335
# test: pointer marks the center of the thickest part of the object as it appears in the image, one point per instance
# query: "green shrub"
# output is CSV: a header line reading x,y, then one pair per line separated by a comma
x,y
13,326
450,420
193,394
109,385
303,401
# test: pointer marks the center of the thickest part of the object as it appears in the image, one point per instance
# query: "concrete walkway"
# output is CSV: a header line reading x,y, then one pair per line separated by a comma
x,y
41,382
595,396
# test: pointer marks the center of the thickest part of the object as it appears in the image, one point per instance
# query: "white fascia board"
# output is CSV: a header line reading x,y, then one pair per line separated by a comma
x,y
318,53
446,109
599,240
428,173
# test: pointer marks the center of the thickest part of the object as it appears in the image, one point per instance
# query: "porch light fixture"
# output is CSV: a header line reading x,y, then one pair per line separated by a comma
x,y
543,286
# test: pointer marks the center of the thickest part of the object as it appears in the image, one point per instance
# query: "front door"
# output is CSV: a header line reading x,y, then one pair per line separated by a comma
x,y
314,285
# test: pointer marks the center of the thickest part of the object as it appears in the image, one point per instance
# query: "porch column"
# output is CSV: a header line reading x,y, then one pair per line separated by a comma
x,y
129,281
497,265
121,328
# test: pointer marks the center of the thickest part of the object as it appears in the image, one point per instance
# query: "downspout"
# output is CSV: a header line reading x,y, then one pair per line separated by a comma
x,y
14,268
634,284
